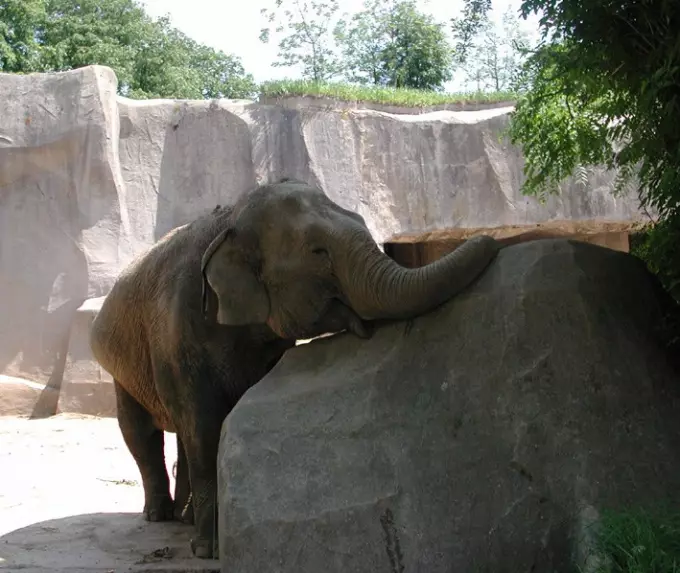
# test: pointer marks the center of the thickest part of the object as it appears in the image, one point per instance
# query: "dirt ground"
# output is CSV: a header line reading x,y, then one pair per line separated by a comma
x,y
70,500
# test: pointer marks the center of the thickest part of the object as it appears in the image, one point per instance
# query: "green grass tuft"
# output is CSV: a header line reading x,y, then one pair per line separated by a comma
x,y
377,94
639,542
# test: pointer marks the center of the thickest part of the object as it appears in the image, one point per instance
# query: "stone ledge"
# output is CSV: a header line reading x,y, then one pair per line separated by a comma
x,y
19,397
548,229
86,388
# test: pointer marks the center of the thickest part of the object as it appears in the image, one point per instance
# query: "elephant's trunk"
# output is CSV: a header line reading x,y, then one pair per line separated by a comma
x,y
377,287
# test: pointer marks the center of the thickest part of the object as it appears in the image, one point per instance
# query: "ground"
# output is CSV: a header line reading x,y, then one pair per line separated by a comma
x,y
70,500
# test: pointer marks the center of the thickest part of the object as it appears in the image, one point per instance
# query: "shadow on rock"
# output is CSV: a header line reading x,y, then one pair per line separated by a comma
x,y
485,437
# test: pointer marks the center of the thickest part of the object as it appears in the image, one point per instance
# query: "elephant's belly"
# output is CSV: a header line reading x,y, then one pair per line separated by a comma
x,y
165,424
150,401
161,417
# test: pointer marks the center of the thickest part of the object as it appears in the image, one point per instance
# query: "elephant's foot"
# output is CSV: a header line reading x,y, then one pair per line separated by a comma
x,y
204,543
159,508
205,548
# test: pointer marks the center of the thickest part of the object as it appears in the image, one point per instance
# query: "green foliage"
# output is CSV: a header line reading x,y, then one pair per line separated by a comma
x,y
363,40
170,64
417,54
161,67
19,48
466,28
639,542
558,124
658,248
378,94
604,88
77,34
390,42
308,41
150,57
221,75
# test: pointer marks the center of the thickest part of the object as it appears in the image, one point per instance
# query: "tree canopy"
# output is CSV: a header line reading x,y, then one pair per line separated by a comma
x,y
395,44
388,43
151,58
490,55
19,46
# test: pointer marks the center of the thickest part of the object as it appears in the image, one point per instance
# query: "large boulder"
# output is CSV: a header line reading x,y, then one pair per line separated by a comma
x,y
487,435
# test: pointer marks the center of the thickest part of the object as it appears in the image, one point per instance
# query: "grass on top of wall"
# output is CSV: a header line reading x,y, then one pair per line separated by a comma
x,y
376,94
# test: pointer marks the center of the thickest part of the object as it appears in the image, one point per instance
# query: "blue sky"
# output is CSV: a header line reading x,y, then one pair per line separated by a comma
x,y
234,27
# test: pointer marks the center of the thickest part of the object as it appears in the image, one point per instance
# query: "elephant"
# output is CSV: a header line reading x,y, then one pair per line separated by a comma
x,y
210,308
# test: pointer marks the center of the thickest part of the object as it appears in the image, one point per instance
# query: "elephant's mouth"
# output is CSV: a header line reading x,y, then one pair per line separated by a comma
x,y
335,318
282,331
296,331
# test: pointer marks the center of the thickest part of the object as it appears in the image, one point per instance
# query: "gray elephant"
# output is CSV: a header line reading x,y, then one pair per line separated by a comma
x,y
203,315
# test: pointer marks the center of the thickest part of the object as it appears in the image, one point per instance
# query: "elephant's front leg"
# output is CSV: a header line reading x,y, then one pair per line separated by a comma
x,y
201,446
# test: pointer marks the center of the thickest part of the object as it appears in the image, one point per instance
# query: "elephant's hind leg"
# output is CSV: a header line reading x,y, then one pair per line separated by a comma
x,y
145,443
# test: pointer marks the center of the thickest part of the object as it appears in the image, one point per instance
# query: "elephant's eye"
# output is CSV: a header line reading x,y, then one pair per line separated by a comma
x,y
319,251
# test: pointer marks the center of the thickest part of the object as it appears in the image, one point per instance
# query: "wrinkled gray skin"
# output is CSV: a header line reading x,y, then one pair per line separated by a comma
x,y
208,310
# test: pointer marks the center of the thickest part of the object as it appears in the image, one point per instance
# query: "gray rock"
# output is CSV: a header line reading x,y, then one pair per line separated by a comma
x,y
484,436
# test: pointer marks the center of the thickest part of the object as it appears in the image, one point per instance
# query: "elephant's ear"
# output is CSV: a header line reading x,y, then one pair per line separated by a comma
x,y
225,269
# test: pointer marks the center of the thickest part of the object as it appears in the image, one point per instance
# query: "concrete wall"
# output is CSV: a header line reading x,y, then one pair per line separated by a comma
x,y
88,180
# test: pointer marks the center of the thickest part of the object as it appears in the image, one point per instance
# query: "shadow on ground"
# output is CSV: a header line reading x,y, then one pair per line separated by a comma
x,y
106,542
71,500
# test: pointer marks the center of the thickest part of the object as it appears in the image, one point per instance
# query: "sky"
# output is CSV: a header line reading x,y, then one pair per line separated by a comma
x,y
236,30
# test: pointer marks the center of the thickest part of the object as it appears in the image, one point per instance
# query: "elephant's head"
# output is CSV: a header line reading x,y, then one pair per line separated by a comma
x,y
300,263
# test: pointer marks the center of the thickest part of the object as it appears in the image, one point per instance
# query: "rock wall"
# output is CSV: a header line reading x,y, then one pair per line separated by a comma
x,y
89,179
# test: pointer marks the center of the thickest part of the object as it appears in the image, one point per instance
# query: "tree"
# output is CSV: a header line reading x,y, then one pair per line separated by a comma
x,y
161,66
362,41
493,59
393,43
309,39
151,58
418,54
466,28
104,32
19,47
170,64
603,88
221,75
